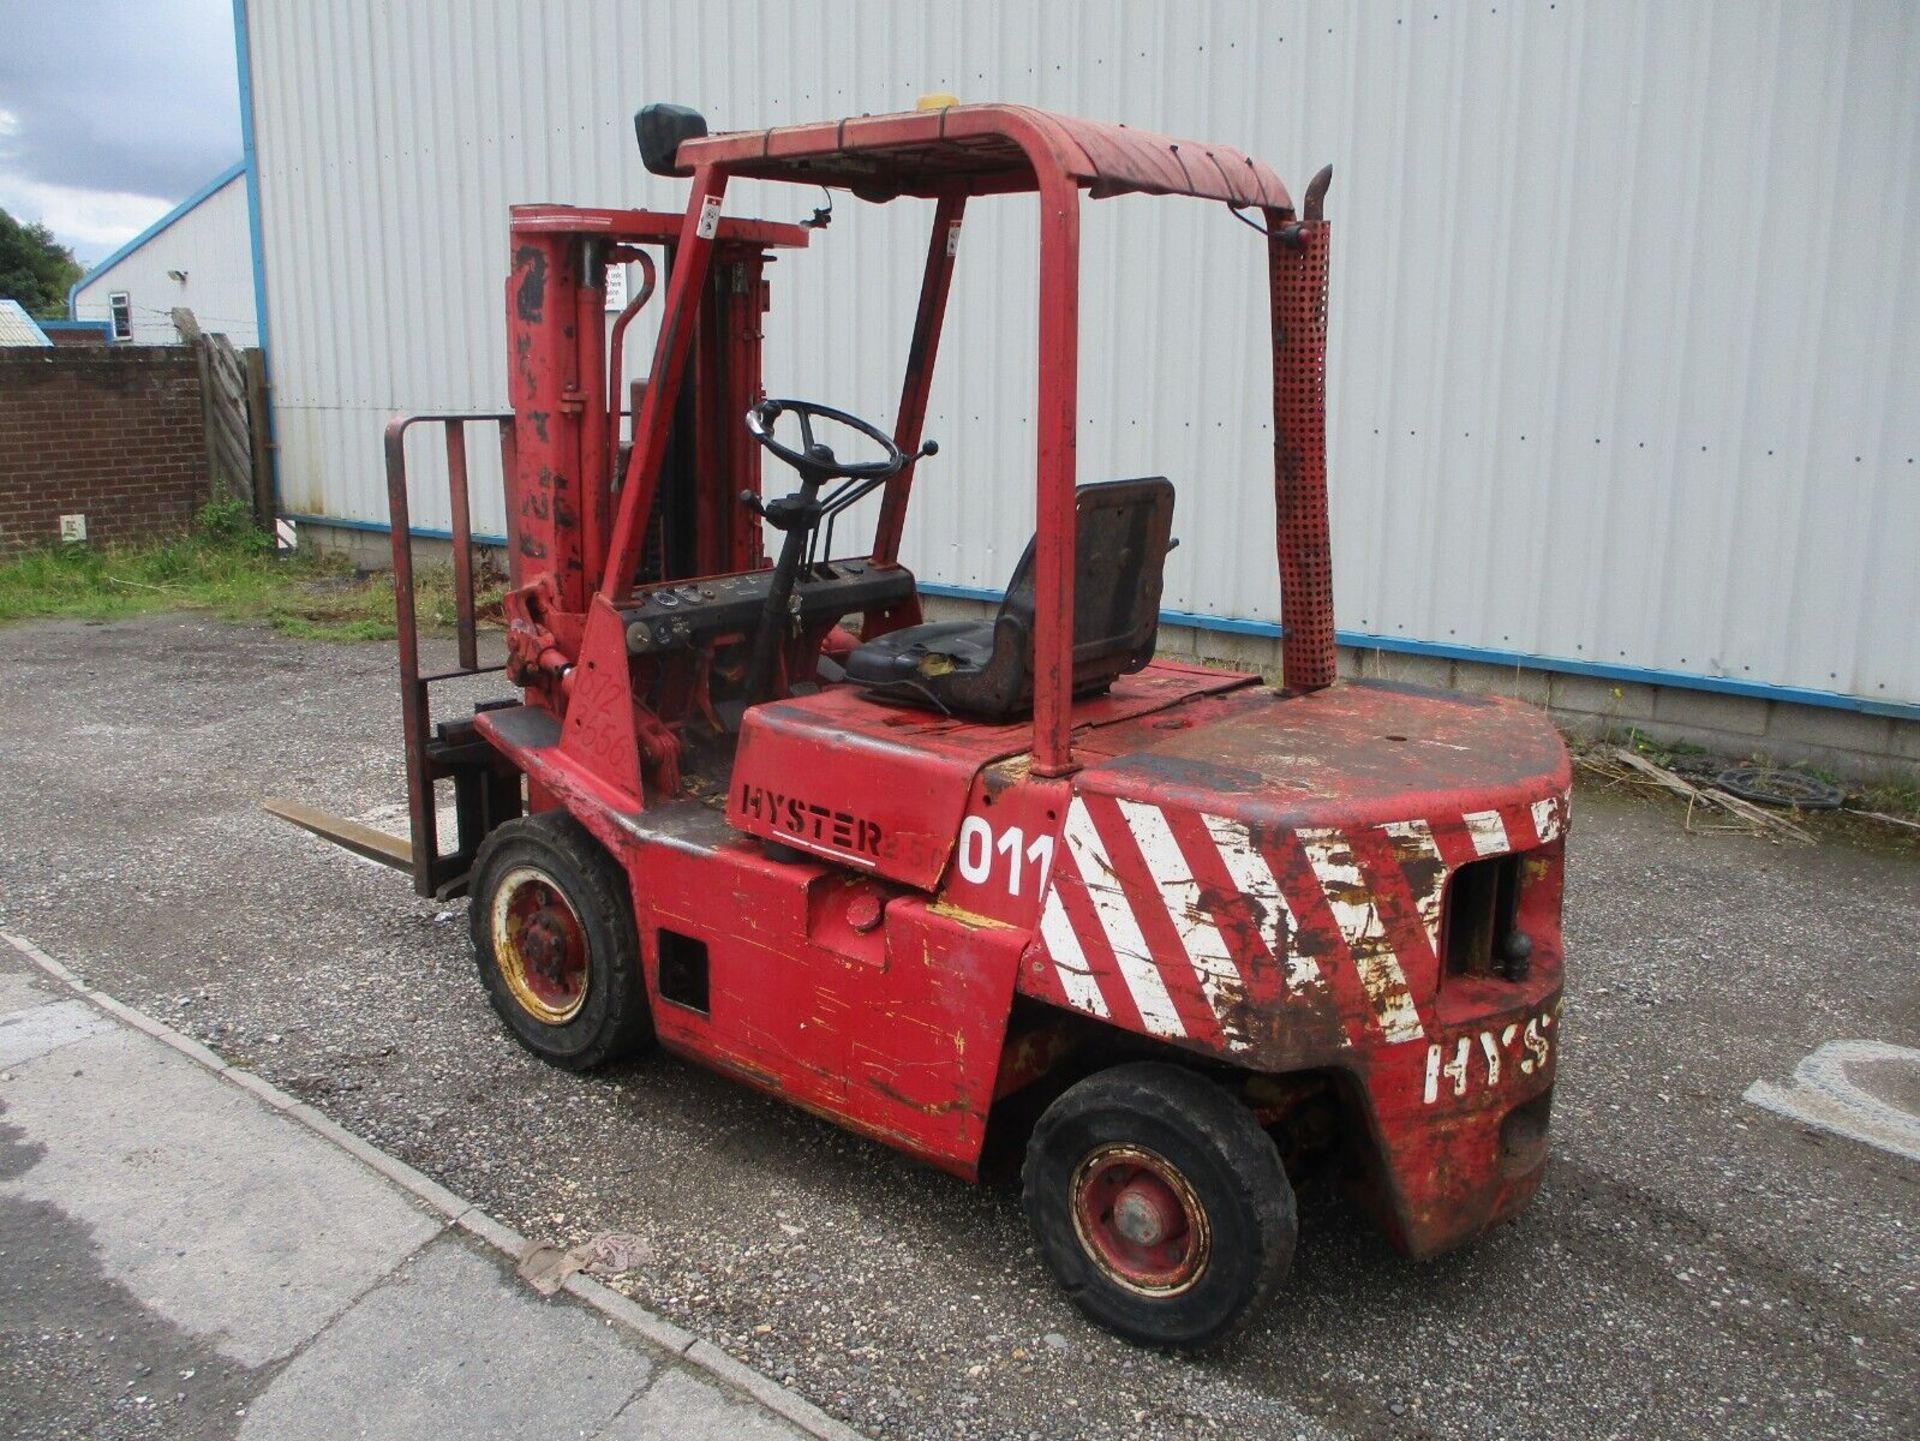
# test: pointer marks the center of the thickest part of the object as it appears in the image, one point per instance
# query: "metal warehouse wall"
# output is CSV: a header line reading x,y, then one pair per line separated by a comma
x,y
1626,297
207,241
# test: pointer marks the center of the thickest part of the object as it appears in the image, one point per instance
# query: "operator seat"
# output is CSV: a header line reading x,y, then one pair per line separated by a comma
x,y
984,668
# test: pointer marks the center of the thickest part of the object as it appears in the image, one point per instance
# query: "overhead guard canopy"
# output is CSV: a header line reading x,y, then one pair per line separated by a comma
x,y
987,149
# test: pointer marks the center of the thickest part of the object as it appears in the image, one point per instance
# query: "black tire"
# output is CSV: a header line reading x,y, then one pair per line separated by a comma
x,y
1179,1132
598,1013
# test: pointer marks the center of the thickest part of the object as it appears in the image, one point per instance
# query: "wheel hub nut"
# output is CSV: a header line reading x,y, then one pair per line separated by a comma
x,y
543,944
1146,1212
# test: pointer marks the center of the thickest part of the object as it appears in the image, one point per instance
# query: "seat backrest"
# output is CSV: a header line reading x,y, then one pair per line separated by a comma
x,y
1122,531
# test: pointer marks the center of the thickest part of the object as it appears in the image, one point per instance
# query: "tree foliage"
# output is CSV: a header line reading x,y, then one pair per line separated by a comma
x,y
35,269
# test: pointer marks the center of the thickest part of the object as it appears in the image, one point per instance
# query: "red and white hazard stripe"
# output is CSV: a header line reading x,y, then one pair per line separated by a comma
x,y
1352,898
1178,922
1119,924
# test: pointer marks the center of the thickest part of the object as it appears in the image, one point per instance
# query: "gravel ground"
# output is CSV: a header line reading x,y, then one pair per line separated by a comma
x,y
1692,1264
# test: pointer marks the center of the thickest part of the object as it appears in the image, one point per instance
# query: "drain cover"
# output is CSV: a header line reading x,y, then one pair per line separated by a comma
x,y
1781,788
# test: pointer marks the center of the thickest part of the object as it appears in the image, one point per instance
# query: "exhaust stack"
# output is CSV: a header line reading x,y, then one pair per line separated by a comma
x,y
1297,274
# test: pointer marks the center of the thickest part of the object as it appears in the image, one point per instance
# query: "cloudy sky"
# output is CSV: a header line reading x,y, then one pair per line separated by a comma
x,y
112,111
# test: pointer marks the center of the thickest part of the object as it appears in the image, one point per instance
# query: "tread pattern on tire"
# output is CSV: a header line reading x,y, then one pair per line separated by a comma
x,y
598,889
1164,1099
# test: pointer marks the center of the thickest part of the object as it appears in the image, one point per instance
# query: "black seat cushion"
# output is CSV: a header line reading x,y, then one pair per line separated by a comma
x,y
1122,531
920,650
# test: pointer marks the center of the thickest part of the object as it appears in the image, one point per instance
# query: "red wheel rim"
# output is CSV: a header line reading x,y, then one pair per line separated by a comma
x,y
540,946
1140,1221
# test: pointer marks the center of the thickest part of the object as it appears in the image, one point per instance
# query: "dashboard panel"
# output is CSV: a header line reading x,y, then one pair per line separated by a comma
x,y
673,615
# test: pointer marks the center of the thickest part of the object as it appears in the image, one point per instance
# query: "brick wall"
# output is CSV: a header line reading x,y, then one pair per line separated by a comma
x,y
113,433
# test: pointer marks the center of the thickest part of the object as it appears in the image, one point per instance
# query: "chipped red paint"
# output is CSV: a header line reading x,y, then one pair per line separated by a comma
x,y
903,916
1266,886
1140,1220
543,380
906,772
990,149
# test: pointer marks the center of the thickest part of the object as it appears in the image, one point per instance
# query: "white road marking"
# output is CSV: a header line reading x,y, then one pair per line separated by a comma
x,y
1823,1094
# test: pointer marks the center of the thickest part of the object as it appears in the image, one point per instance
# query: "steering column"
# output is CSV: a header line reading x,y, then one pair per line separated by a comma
x,y
797,516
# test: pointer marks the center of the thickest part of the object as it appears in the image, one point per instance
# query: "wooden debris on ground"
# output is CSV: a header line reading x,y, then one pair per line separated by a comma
x,y
1883,818
1747,817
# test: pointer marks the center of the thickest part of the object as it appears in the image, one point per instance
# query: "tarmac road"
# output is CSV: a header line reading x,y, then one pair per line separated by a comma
x,y
1693,1264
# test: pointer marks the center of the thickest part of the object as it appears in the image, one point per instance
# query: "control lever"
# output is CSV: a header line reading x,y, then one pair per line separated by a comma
x,y
858,490
787,512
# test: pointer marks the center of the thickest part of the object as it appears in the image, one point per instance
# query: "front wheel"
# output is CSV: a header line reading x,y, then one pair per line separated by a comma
x,y
1159,1204
554,938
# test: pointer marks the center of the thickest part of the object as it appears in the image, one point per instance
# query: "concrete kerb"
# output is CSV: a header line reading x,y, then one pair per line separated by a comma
x,y
496,1234
610,1302
44,961
618,1309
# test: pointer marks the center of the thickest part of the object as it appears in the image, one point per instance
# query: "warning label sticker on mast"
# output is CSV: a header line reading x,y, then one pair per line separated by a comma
x,y
709,218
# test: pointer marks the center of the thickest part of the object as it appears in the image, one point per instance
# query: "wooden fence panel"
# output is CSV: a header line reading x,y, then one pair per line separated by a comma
x,y
232,394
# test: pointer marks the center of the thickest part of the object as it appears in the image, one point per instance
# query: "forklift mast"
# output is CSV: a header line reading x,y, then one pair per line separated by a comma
x,y
565,386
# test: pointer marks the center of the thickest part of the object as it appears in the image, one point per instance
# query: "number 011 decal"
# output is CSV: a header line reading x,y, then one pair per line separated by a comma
x,y
980,850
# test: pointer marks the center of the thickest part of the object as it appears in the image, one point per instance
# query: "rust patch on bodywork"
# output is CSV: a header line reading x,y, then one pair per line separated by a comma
x,y
530,295
954,1105
972,920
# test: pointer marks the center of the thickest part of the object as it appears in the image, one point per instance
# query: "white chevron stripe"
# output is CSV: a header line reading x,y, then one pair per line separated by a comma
x,y
1206,948
1488,831
1083,992
1417,837
1546,820
1117,920
1366,935
1254,879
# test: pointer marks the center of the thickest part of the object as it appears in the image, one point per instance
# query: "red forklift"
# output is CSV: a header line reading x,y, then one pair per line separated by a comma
x,y
1191,934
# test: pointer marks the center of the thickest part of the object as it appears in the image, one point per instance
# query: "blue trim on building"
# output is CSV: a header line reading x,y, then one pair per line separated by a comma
x,y
104,327
418,532
1230,625
1636,675
1359,640
218,183
250,163
1630,674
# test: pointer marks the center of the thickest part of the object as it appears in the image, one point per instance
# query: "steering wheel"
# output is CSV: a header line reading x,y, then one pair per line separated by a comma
x,y
818,464
799,516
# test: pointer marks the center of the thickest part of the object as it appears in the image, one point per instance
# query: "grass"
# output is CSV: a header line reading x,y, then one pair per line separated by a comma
x,y
1892,797
229,569
1663,753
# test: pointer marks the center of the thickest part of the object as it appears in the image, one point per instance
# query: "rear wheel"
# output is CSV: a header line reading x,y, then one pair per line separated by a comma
x,y
554,938
1160,1205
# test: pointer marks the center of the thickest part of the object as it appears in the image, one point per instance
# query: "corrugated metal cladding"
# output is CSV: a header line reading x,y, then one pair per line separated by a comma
x,y
208,245
1626,311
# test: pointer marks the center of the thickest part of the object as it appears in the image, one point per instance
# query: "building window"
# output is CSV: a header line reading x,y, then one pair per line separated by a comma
x,y
122,306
